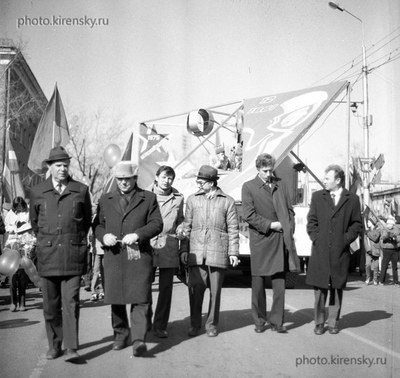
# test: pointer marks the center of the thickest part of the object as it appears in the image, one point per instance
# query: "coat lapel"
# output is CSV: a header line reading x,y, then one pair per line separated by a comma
x,y
136,199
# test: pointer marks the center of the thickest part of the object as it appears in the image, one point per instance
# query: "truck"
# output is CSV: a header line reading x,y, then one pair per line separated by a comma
x,y
242,130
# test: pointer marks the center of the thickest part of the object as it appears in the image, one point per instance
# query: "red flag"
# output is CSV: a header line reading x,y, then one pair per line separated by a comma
x,y
52,131
152,153
11,175
127,156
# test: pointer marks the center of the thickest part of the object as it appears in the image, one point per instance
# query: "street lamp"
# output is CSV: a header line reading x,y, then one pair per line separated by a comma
x,y
366,118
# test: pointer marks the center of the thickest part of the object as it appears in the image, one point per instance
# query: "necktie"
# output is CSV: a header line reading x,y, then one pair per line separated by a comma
x,y
333,195
59,188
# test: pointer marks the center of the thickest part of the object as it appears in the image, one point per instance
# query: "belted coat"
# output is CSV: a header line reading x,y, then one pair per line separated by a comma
x,y
332,229
128,281
61,223
270,251
166,246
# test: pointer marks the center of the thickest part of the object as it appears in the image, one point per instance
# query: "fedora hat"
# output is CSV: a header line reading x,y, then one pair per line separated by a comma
x,y
56,154
206,172
126,169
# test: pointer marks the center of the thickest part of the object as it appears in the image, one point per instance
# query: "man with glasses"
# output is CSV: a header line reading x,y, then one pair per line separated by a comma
x,y
126,220
211,224
269,213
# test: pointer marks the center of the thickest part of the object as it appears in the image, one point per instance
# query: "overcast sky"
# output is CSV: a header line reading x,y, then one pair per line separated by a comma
x,y
152,58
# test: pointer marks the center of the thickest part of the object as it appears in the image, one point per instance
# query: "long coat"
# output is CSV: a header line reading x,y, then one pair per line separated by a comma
x,y
213,229
61,223
332,229
166,247
128,281
271,252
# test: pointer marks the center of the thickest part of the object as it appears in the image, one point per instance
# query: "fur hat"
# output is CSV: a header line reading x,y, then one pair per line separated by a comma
x,y
126,169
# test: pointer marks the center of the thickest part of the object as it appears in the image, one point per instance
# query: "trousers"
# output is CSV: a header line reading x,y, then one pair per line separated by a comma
x,y
61,310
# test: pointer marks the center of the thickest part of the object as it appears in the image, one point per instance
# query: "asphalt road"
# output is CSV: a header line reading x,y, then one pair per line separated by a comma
x,y
368,344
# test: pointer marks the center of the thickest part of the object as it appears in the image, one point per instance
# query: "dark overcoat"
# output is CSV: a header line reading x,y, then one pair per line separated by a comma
x,y
332,229
271,252
128,281
61,223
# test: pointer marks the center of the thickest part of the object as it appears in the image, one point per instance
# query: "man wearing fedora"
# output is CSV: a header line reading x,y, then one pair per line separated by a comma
x,y
127,218
269,213
211,224
60,213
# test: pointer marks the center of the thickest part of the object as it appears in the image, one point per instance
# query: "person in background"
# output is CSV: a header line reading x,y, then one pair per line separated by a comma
x,y
220,160
268,210
168,245
127,218
333,223
97,284
390,241
20,235
211,224
372,252
61,213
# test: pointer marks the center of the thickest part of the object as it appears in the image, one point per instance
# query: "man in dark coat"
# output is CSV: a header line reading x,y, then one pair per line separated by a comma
x,y
60,213
126,220
267,209
333,223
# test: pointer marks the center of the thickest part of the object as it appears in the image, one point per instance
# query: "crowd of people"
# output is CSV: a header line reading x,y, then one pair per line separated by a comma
x,y
133,232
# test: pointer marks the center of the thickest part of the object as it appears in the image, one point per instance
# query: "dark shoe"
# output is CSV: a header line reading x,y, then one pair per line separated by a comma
x,y
259,328
193,332
139,348
319,329
160,333
118,345
212,332
333,330
52,354
278,328
71,355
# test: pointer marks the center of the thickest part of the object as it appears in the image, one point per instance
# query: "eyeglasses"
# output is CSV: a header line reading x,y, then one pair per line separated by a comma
x,y
202,183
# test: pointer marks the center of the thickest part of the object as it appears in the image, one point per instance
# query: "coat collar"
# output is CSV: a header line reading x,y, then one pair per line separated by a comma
x,y
262,184
136,199
343,199
72,186
219,193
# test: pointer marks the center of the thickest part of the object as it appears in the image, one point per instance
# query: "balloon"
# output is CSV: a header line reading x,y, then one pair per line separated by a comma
x,y
86,180
9,261
31,270
112,155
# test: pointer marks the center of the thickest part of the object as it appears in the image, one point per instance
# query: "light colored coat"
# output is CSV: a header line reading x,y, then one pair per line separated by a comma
x,y
213,229
166,247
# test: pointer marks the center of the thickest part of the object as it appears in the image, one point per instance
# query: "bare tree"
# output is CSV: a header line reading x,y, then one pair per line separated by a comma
x,y
90,135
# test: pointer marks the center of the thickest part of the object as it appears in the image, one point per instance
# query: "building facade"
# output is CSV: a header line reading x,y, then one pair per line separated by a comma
x,y
22,103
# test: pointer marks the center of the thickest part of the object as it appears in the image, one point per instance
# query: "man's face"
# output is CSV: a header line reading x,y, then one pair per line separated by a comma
x,y
164,181
221,156
59,170
126,184
330,183
266,173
